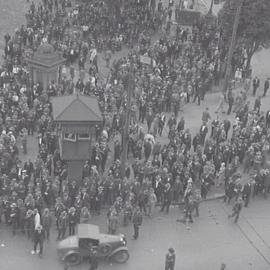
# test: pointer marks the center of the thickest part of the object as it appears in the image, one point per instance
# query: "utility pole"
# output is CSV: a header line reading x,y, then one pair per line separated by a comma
x,y
232,46
211,7
125,134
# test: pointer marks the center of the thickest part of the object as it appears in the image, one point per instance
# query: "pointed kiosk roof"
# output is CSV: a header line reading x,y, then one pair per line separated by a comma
x,y
46,57
76,108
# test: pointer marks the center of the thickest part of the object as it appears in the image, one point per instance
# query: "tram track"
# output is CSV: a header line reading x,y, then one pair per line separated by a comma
x,y
256,241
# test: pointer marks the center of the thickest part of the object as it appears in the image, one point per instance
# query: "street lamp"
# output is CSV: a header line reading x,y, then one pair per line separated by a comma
x,y
125,134
232,45
211,7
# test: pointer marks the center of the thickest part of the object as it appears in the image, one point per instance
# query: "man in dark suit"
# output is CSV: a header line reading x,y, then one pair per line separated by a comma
x,y
256,84
137,222
93,259
266,86
246,193
203,132
167,198
230,102
170,260
147,149
267,119
39,236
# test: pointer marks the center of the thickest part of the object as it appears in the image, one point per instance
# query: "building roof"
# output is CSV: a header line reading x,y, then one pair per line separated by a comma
x,y
46,56
76,108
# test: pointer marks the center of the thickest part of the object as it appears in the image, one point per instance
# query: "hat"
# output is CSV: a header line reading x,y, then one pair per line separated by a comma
x,y
72,209
39,227
168,185
171,250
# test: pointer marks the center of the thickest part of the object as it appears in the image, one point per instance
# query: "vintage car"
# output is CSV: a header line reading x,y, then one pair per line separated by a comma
x,y
76,247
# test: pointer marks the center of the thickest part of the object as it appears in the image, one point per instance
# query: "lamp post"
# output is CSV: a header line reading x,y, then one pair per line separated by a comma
x,y
211,7
125,134
232,46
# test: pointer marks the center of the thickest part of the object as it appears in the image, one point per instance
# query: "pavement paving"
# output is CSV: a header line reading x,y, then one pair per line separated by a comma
x,y
211,240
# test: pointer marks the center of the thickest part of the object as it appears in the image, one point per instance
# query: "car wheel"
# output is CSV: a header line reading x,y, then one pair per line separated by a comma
x,y
121,256
105,249
73,259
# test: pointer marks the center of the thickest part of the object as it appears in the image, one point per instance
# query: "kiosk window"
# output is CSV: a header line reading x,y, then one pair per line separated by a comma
x,y
70,137
84,136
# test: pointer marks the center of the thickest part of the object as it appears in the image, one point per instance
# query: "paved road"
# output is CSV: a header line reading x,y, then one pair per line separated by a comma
x,y
211,240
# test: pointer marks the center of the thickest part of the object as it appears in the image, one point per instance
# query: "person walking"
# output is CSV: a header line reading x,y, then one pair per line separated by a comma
x,y
266,86
167,198
257,104
230,102
137,222
107,57
39,236
246,192
197,198
93,259
220,106
236,210
206,116
256,84
170,259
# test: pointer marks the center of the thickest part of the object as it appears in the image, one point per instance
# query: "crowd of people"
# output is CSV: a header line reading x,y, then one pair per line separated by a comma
x,y
166,75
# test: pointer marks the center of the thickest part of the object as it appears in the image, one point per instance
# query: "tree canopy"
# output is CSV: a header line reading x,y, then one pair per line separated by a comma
x,y
254,24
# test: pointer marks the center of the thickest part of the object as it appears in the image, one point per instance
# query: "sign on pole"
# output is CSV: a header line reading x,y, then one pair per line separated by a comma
x,y
145,60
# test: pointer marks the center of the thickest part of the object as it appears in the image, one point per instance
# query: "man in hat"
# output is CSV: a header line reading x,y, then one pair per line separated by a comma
x,y
112,222
170,259
266,86
196,201
39,237
256,84
223,266
167,198
72,220
62,225
25,177
137,222
93,259
206,116
47,222
236,210
246,192
14,217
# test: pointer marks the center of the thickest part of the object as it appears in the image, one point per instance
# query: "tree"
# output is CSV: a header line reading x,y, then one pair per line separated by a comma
x,y
254,26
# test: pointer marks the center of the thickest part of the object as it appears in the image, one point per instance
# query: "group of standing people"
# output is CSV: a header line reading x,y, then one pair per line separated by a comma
x,y
181,70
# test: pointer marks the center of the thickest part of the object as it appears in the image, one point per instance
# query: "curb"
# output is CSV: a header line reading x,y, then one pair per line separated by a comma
x,y
211,198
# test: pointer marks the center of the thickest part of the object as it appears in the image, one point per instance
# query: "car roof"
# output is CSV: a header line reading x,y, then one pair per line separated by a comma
x,y
88,231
